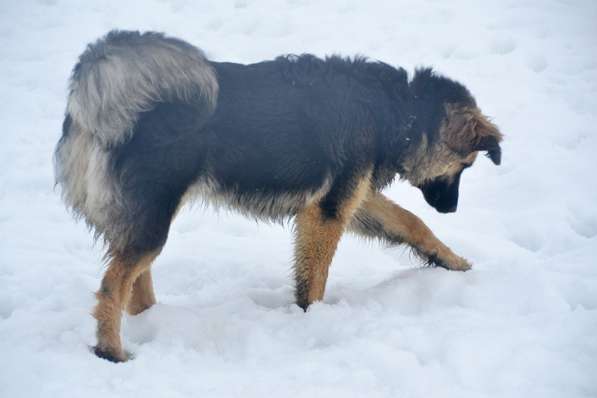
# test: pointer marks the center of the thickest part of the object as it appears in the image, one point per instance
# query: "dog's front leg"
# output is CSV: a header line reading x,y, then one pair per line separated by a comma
x,y
315,244
381,218
319,227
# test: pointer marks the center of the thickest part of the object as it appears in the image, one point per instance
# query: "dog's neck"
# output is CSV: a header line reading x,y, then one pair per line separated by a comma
x,y
401,143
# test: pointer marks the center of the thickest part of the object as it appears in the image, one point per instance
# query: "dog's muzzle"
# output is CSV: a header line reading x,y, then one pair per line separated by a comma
x,y
442,193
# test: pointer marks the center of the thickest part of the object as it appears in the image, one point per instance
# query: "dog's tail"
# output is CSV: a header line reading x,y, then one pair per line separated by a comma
x,y
126,73
116,79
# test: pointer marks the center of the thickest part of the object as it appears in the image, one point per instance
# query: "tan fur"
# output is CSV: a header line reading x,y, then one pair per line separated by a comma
x,y
315,246
317,238
465,127
402,225
113,297
431,162
460,132
143,296
207,191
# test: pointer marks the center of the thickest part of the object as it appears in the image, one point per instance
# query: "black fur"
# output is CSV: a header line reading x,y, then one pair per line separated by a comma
x,y
430,93
492,146
150,121
156,167
442,193
302,119
105,355
281,127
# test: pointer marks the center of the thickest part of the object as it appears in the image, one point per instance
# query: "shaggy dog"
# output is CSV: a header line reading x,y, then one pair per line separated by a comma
x,y
150,122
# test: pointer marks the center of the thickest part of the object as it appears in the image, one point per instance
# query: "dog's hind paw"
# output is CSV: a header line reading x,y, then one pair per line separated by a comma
x,y
110,355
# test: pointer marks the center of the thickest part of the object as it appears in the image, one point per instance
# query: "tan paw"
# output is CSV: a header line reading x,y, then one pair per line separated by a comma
x,y
110,355
450,261
461,264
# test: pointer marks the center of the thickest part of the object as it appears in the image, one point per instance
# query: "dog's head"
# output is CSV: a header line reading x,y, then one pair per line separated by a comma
x,y
454,132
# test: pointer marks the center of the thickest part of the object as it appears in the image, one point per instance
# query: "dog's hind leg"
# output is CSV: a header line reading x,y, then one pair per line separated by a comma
x,y
381,218
319,227
153,171
113,297
143,296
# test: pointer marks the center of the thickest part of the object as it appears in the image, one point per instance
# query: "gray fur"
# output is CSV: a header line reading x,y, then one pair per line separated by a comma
x,y
270,208
88,187
118,77
125,73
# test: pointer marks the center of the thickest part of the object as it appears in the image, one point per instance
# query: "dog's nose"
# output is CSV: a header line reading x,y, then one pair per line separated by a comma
x,y
450,209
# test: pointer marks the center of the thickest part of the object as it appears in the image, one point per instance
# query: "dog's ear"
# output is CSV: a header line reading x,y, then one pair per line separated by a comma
x,y
467,130
491,144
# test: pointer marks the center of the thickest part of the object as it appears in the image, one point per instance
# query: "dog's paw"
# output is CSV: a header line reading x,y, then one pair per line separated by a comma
x,y
110,355
450,262
459,264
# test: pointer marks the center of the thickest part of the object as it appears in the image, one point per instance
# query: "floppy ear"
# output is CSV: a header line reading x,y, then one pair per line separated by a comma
x,y
467,130
491,144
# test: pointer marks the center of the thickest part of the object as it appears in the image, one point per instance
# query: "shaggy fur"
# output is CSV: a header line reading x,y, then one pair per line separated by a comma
x,y
126,73
150,123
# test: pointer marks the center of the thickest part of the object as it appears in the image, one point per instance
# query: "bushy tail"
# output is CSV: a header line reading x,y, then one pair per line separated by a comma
x,y
126,73
118,77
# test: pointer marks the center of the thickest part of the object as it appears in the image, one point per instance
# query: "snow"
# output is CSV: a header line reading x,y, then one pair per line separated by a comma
x,y
521,323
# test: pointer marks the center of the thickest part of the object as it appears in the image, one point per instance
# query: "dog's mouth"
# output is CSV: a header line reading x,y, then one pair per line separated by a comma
x,y
442,194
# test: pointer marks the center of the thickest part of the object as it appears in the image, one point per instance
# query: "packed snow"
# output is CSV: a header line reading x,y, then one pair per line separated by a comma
x,y
521,323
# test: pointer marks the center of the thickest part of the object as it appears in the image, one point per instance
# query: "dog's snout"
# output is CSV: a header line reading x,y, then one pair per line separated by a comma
x,y
442,194
443,208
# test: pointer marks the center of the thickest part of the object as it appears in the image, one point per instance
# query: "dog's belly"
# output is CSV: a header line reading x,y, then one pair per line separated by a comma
x,y
260,203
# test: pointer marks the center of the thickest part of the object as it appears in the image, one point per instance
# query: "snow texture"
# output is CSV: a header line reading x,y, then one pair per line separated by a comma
x,y
522,323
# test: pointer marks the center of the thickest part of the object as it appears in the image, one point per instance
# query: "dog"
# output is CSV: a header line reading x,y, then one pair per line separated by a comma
x,y
151,122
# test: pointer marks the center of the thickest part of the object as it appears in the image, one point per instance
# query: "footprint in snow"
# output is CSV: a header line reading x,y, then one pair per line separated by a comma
x,y
537,63
585,226
528,240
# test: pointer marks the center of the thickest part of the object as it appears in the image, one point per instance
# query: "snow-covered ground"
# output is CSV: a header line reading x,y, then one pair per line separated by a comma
x,y
522,323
